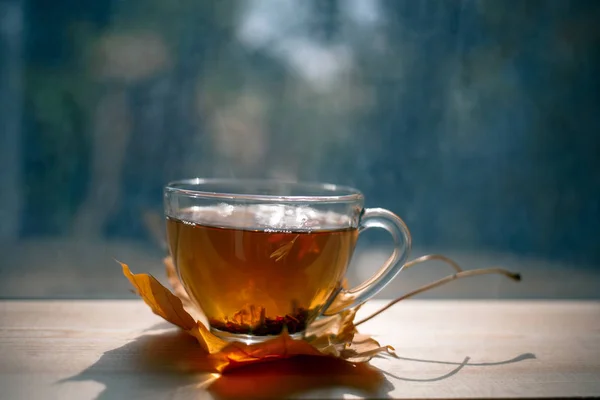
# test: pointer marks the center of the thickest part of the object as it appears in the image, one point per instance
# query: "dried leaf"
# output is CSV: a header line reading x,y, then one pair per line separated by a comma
x,y
209,342
228,355
340,326
162,302
175,283
284,250
280,347
179,291
363,348
334,336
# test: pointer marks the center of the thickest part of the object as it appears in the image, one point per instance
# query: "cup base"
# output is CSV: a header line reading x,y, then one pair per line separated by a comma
x,y
250,339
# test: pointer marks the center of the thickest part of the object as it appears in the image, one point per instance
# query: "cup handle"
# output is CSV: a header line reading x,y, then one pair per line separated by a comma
x,y
384,219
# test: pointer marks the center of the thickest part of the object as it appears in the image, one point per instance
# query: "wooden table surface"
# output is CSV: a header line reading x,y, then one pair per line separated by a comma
x,y
446,349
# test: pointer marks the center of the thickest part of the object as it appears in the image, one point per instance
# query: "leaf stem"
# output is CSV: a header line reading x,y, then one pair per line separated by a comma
x,y
458,275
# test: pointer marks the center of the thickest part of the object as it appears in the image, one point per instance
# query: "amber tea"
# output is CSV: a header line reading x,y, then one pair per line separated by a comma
x,y
257,269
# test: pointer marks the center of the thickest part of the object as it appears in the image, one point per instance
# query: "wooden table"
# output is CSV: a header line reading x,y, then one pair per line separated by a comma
x,y
119,349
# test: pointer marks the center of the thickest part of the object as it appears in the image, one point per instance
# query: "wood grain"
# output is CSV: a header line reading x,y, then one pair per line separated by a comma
x,y
446,349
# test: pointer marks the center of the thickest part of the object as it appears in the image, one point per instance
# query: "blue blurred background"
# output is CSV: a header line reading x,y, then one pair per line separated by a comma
x,y
476,121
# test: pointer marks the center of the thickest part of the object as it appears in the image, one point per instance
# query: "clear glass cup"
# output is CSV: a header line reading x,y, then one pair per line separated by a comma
x,y
260,256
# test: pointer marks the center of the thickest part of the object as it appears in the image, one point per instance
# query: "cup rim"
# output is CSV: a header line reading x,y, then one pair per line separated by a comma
x,y
331,192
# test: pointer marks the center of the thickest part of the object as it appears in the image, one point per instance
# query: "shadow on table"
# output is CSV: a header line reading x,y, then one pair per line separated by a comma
x,y
170,364
459,366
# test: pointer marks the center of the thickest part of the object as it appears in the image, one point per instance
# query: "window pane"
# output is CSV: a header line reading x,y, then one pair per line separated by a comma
x,y
475,121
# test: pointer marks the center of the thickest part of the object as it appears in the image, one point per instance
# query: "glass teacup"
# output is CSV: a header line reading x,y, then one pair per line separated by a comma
x,y
259,257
